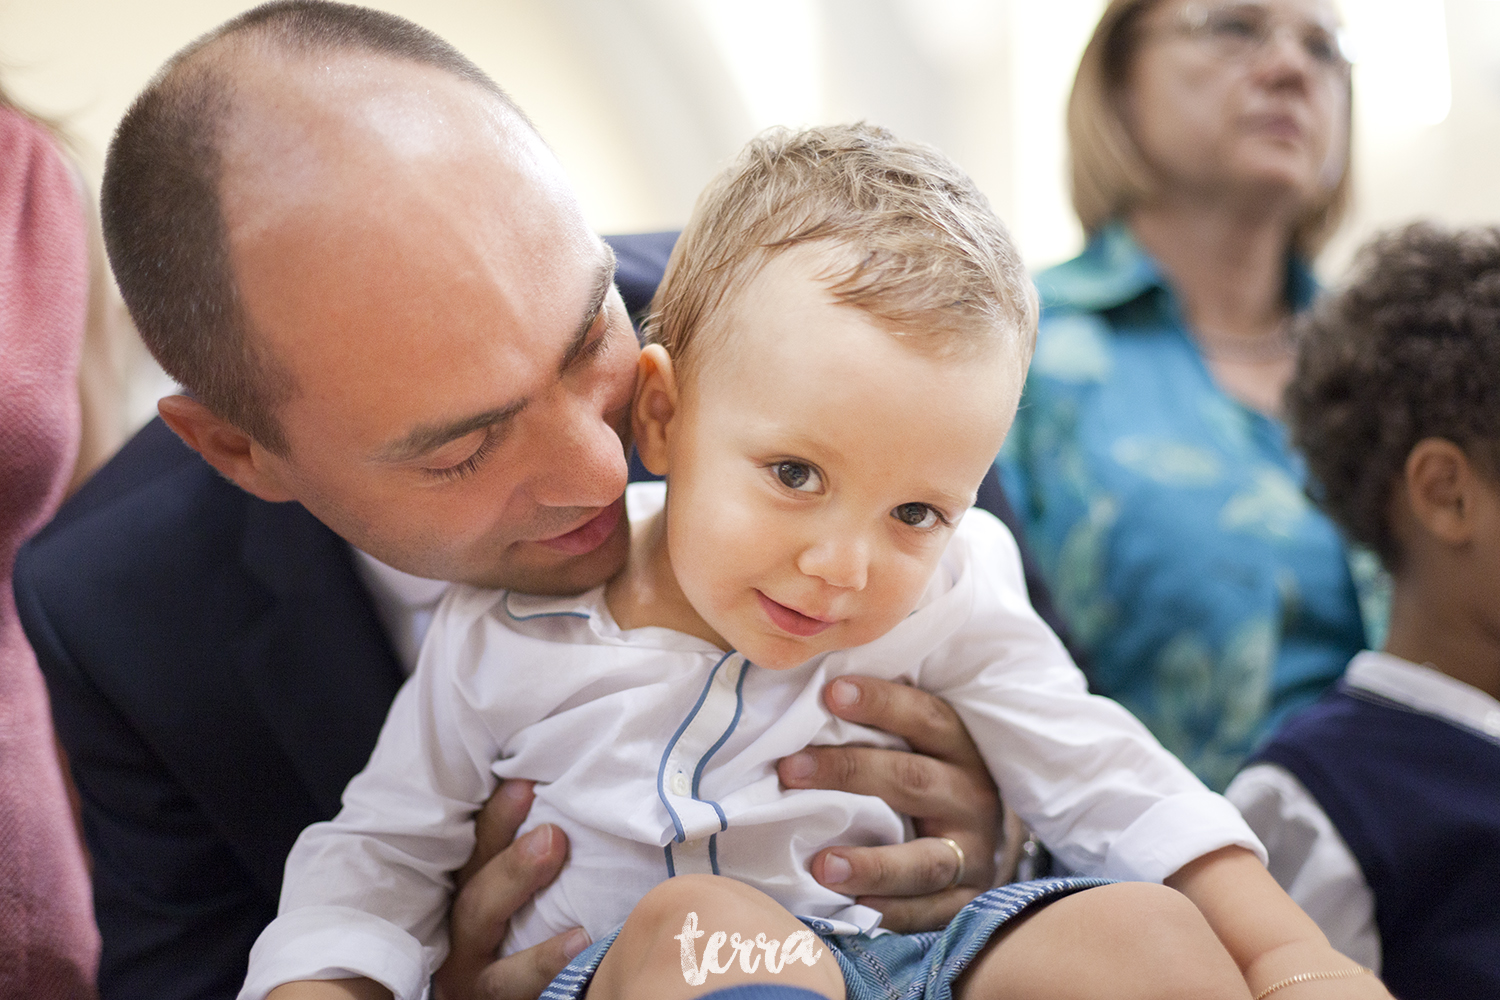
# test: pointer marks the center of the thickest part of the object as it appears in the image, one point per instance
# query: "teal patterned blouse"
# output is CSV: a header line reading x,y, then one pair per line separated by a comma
x,y
1208,594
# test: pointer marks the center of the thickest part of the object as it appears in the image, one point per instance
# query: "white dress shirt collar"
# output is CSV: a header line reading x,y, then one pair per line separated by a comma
x,y
1426,690
405,604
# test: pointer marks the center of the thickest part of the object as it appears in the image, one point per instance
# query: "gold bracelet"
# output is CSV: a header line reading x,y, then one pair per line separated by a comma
x,y
1308,977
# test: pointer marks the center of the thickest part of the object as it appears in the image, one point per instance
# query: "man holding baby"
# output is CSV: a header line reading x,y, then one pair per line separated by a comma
x,y
371,276
380,292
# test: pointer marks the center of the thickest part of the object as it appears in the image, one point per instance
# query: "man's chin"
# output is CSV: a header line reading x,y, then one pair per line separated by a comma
x,y
536,569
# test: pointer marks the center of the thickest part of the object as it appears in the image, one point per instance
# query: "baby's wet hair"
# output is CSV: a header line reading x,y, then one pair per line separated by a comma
x,y
911,240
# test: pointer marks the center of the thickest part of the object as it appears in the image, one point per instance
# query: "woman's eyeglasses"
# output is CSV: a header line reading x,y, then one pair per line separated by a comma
x,y
1243,31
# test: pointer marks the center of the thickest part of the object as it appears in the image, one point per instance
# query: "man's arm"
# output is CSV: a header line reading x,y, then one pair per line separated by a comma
x,y
499,878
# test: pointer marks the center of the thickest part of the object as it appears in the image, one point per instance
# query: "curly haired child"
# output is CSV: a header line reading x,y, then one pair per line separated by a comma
x,y
1379,806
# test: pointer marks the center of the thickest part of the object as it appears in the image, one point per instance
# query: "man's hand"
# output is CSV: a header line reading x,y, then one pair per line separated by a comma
x,y
499,878
943,785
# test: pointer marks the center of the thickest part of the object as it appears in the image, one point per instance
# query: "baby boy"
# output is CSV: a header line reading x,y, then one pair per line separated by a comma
x,y
834,358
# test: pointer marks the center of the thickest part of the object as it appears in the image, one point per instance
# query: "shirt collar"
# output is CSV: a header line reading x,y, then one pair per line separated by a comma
x,y
390,585
404,603
1114,270
642,501
525,607
1426,690
590,617
396,592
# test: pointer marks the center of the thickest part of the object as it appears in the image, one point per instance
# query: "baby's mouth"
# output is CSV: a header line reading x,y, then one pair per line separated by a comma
x,y
791,620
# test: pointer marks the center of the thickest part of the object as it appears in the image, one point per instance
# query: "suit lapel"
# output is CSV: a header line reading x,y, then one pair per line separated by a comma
x,y
317,663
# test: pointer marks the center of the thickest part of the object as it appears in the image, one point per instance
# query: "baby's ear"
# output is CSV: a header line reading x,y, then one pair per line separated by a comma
x,y
655,407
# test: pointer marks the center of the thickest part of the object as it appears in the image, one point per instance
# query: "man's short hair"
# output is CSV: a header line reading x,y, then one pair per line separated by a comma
x,y
928,254
163,226
1109,174
1409,350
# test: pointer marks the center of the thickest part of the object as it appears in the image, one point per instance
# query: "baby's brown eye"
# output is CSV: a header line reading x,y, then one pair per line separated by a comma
x,y
916,515
793,475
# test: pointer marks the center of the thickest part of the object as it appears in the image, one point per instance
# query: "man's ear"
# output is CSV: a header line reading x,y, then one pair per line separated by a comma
x,y
1440,485
655,407
224,446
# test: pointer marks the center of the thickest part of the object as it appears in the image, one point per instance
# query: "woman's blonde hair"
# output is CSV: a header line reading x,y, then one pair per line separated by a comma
x,y
1109,174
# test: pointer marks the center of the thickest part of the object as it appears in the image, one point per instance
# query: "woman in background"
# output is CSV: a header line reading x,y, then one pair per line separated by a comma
x,y
49,947
1210,147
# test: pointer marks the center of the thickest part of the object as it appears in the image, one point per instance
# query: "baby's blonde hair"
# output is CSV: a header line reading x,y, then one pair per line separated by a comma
x,y
927,253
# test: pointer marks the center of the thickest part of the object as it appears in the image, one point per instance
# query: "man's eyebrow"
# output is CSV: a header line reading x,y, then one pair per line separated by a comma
x,y
425,439
604,280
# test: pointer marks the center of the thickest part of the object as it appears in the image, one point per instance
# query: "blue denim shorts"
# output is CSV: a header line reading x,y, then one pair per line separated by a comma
x,y
889,966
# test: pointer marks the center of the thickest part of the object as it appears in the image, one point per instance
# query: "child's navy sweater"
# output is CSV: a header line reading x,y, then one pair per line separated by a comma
x,y
1417,799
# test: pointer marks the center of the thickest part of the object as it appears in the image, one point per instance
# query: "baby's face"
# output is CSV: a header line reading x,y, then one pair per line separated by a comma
x,y
818,465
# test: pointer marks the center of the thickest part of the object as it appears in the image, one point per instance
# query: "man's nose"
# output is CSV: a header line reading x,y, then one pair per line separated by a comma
x,y
840,559
583,460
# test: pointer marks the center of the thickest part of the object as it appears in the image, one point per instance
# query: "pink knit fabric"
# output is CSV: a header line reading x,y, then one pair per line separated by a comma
x,y
49,946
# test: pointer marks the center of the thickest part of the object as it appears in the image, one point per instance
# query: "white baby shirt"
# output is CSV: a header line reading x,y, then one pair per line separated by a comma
x,y
656,752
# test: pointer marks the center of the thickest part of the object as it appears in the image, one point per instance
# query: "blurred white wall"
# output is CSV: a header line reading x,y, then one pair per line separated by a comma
x,y
1427,116
644,99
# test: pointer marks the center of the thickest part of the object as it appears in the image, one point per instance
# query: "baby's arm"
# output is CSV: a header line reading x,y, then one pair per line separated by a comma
x,y
1309,859
1103,793
499,879
1267,935
367,893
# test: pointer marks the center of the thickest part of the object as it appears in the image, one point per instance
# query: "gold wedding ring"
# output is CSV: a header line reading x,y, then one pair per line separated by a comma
x,y
958,852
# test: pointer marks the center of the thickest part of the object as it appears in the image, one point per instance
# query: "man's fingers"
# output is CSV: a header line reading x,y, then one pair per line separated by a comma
x,y
911,884
496,825
525,974
485,904
924,720
918,786
916,868
944,785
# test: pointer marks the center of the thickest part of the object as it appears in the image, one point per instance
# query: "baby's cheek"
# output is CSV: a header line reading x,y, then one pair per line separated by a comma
x,y
900,591
881,615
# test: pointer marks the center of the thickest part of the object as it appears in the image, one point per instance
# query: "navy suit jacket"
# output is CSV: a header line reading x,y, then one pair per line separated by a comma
x,y
217,673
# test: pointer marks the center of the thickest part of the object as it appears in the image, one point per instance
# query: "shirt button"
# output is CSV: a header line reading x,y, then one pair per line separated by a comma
x,y
679,784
